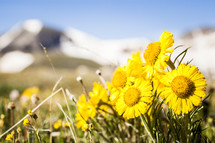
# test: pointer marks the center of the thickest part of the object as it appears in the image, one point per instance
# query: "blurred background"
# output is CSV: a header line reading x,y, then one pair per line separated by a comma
x,y
82,36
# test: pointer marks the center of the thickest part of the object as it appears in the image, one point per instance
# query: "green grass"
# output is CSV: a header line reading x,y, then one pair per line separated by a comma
x,y
42,75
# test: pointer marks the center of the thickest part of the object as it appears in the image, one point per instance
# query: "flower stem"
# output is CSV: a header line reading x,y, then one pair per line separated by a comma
x,y
147,128
170,64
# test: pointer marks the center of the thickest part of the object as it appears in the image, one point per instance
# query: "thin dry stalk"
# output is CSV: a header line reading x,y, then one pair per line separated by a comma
x,y
66,116
50,107
60,89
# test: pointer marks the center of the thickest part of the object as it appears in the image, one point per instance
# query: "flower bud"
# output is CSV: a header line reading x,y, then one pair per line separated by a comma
x,y
11,106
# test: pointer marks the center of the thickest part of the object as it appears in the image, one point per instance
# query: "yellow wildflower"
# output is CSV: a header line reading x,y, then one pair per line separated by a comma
x,y
80,120
13,133
9,137
135,99
155,55
157,85
57,125
86,111
85,127
27,93
166,39
119,81
119,78
184,87
85,108
26,122
67,125
30,113
114,93
98,93
30,91
134,67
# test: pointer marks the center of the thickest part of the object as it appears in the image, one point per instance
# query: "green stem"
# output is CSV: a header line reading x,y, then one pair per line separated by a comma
x,y
170,64
147,128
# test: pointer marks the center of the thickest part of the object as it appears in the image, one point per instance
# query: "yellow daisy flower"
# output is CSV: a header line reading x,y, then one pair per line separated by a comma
x,y
134,66
114,93
184,88
155,55
166,39
119,81
80,120
157,84
119,77
86,110
98,93
135,99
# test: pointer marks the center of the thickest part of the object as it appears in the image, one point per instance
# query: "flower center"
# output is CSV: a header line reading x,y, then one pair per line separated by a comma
x,y
119,78
152,52
131,96
182,86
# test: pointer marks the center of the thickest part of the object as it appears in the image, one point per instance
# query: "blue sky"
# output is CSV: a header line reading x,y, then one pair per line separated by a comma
x,y
112,19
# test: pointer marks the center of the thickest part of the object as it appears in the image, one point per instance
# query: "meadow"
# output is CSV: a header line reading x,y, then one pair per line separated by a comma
x,y
153,98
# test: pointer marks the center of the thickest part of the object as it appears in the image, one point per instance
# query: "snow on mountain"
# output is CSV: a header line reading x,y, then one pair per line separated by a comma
x,y
27,36
33,26
8,37
82,45
21,34
21,41
15,61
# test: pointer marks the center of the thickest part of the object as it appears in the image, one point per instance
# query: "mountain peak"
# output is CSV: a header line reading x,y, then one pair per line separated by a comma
x,y
33,25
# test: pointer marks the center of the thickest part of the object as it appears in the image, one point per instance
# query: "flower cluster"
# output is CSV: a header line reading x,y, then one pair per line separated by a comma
x,y
140,88
87,108
154,97
133,85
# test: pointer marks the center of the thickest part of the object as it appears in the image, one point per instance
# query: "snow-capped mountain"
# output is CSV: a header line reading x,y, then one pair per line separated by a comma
x,y
80,44
27,36
19,37
21,40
